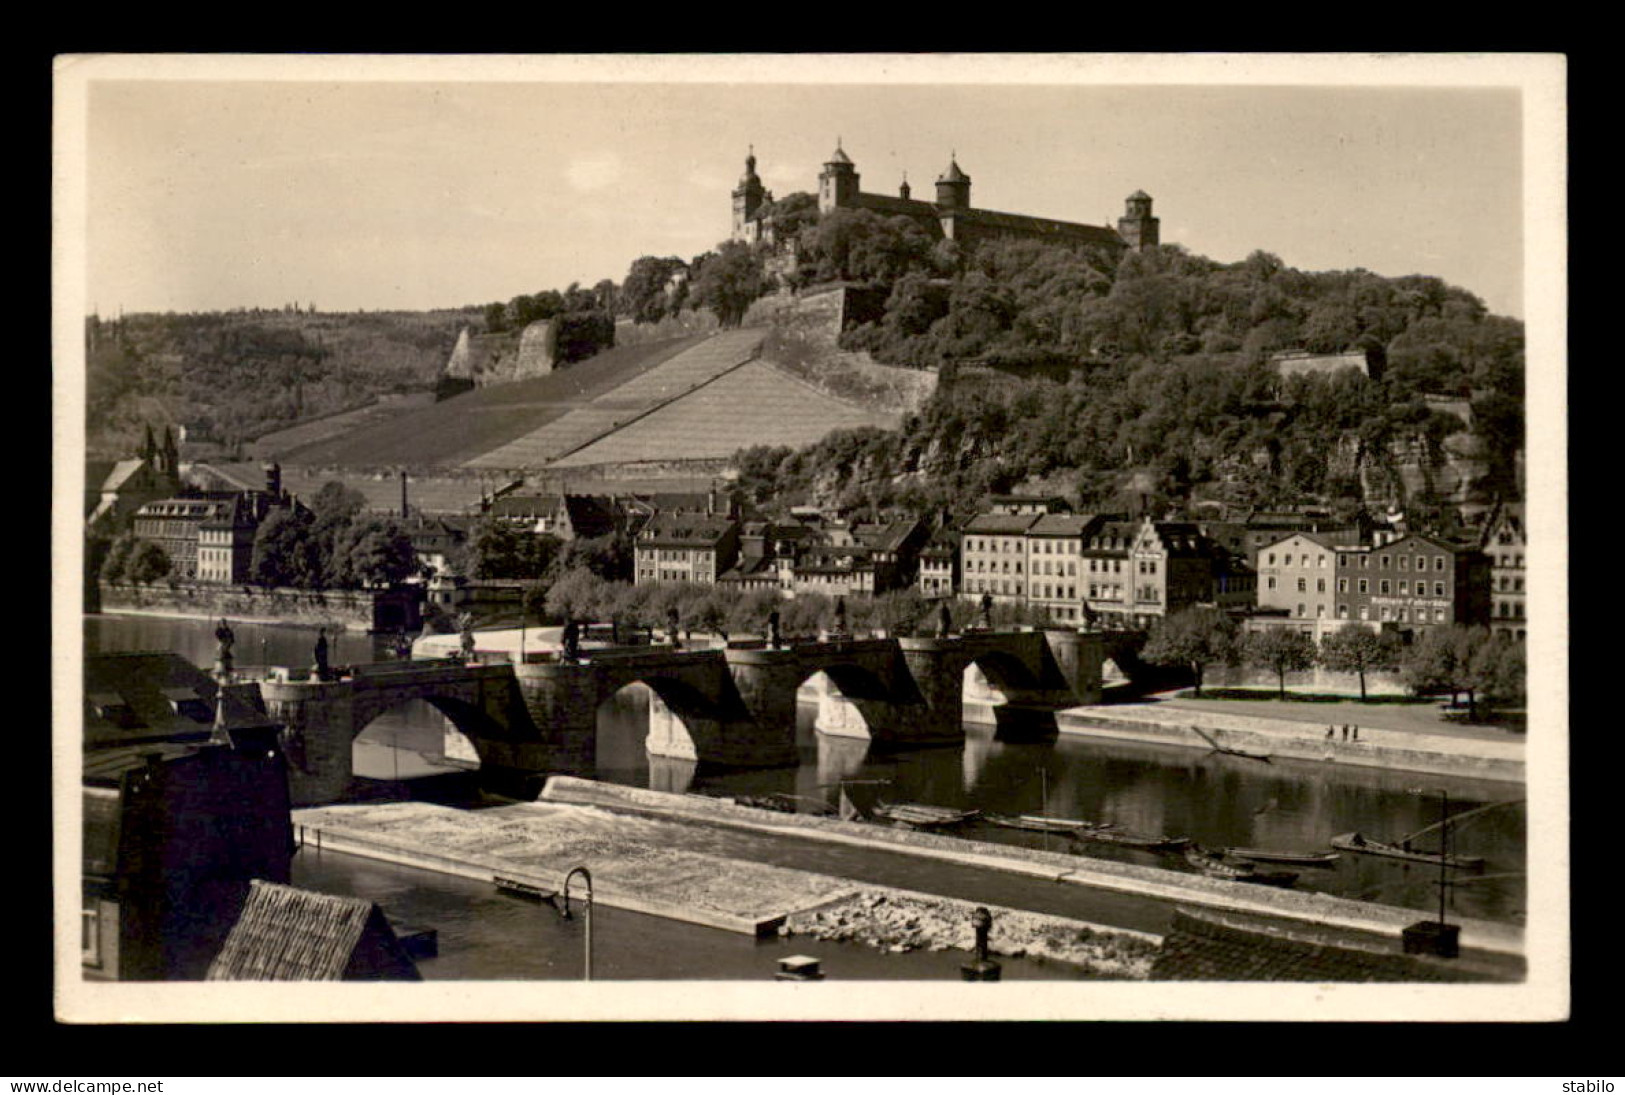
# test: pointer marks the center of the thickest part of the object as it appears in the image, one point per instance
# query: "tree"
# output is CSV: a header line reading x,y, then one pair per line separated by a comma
x,y
728,282
373,552
500,549
578,595
118,557
285,550
146,564
1194,638
1442,660
643,293
1355,649
1280,650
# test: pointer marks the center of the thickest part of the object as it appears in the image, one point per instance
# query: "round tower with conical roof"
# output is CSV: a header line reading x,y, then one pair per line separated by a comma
x,y
748,196
953,188
838,182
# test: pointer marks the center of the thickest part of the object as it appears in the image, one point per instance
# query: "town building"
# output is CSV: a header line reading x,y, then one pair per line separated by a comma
x,y
993,556
939,565
208,535
185,794
1108,576
130,484
565,516
948,216
1297,581
1505,543
1413,583
1171,569
1055,564
685,547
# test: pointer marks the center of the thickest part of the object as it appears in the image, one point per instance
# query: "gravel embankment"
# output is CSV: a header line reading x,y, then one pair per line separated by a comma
x,y
899,921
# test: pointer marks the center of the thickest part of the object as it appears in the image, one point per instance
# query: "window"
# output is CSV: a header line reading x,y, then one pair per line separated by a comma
x,y
1286,560
1272,558
1384,613
1404,561
1269,583
1438,615
1438,562
1401,615
1365,561
1342,585
1300,609
1404,587
1421,562
1364,586
1320,585
1342,560
1365,612
1438,589
1383,562
1303,585
1382,586
1342,611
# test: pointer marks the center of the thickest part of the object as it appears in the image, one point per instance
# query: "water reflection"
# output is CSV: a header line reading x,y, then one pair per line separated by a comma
x,y
1216,800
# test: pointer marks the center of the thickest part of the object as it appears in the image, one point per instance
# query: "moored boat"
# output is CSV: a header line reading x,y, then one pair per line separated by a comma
x,y
1034,823
1143,841
916,815
1218,866
1297,859
1364,845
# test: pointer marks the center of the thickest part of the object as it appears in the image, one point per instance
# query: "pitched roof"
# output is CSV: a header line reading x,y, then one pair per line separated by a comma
x,y
1063,524
287,934
130,698
1036,226
1208,947
1006,523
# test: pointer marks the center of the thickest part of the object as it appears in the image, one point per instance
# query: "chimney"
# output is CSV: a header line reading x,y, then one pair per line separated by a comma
x,y
711,501
403,494
273,479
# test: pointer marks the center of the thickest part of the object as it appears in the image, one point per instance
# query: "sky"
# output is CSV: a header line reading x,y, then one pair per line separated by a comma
x,y
360,183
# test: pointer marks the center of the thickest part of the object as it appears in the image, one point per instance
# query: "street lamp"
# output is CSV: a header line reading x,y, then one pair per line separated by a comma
x,y
565,913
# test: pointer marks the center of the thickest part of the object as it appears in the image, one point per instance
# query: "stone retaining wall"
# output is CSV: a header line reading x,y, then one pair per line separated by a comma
x,y
358,610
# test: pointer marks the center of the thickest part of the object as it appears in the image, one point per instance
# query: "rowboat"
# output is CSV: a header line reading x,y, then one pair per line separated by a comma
x,y
1297,859
916,815
1218,867
1132,840
1356,842
1034,823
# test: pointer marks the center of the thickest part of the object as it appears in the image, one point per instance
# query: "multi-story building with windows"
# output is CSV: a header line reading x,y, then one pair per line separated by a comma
x,y
993,556
1504,544
1055,564
1412,583
939,566
684,547
1171,565
1297,576
1105,573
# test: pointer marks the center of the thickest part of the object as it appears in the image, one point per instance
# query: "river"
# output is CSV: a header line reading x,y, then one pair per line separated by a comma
x,y
1217,801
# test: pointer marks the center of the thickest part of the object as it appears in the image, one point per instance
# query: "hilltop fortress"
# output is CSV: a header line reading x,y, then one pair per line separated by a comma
x,y
951,216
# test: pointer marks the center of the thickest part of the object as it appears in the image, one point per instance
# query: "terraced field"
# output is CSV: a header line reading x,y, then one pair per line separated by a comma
x,y
755,404
689,371
468,426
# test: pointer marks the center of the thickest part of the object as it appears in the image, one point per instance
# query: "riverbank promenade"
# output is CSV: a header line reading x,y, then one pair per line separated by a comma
x,y
1410,737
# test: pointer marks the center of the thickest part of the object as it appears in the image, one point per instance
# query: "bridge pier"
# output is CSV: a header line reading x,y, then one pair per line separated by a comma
x,y
318,730
1079,656
938,668
562,701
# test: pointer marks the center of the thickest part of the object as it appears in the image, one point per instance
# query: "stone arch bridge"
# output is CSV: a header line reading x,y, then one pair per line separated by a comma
x,y
733,707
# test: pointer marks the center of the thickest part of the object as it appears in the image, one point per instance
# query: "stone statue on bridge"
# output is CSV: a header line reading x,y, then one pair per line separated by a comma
x,y
322,670
465,632
840,615
987,612
773,640
945,620
673,620
222,659
570,642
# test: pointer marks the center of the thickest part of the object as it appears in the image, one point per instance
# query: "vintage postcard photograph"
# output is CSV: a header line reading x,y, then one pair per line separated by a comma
x,y
766,536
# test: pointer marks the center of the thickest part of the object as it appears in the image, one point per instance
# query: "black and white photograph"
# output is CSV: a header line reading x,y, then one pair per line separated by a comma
x,y
810,536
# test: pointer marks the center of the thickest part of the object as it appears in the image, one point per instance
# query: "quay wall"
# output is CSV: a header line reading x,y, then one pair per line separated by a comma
x,y
1178,887
353,609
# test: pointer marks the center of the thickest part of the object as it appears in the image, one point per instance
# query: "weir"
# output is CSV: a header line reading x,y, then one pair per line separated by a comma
x,y
731,707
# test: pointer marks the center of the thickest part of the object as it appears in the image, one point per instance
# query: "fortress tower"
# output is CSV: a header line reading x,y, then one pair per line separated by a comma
x,y
1138,227
953,188
748,195
838,183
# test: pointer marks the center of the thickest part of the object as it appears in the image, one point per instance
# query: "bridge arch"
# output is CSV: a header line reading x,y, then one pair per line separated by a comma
x,y
853,701
405,724
681,723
